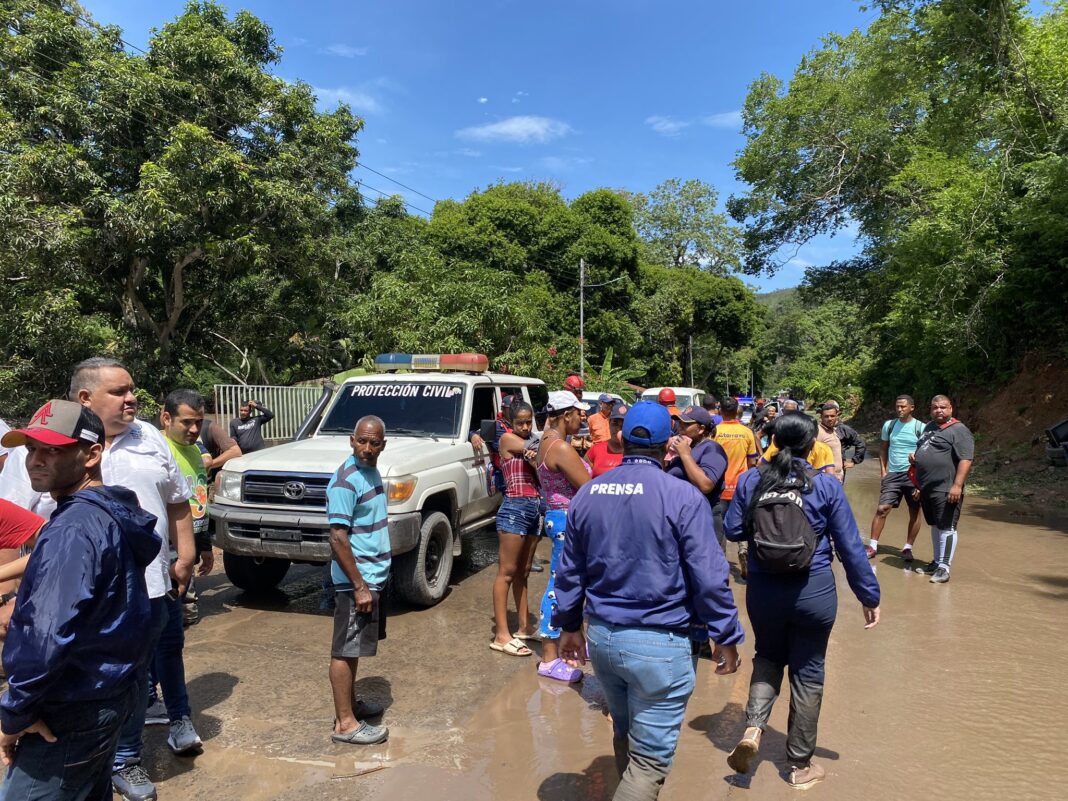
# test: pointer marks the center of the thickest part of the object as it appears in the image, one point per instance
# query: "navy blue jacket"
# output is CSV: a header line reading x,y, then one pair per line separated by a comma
x,y
829,514
78,629
640,551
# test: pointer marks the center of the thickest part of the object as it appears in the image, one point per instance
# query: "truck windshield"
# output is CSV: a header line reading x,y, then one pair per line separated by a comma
x,y
408,408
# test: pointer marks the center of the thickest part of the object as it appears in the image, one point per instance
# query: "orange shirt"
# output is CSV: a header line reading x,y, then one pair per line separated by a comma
x,y
820,457
740,444
600,430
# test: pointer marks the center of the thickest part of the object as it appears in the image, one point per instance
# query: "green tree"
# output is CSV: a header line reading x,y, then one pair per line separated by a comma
x,y
680,226
180,194
940,133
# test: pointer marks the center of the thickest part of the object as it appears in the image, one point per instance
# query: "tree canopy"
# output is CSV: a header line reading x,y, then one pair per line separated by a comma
x,y
940,133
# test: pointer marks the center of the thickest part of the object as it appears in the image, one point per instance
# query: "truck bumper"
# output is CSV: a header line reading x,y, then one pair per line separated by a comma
x,y
299,537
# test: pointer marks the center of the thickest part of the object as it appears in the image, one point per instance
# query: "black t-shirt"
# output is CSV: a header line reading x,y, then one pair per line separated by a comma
x,y
248,433
938,453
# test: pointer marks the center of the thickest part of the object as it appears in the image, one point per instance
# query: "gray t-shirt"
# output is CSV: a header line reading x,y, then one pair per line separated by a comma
x,y
938,453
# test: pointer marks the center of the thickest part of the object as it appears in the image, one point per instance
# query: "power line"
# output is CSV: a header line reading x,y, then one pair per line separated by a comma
x,y
388,194
236,126
394,180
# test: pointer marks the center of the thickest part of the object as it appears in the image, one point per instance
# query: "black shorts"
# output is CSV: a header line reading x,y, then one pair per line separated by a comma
x,y
939,512
893,487
355,633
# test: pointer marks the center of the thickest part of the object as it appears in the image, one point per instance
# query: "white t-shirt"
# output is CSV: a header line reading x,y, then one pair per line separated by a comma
x,y
139,460
4,428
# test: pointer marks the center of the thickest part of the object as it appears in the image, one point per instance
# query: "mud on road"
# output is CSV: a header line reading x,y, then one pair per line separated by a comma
x,y
957,694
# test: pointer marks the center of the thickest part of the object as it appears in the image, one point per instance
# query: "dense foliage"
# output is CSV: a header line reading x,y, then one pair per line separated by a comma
x,y
941,133
188,211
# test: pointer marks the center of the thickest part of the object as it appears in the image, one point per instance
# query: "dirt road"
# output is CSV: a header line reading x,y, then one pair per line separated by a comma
x,y
957,694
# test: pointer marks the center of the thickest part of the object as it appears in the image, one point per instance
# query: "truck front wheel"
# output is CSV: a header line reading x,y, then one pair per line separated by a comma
x,y
254,574
422,574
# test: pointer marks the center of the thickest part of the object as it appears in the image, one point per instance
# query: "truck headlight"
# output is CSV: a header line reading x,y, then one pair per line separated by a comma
x,y
398,490
229,485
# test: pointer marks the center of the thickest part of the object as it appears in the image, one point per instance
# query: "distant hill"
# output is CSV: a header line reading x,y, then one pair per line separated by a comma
x,y
773,300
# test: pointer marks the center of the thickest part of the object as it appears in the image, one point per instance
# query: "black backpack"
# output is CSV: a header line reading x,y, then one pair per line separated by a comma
x,y
780,538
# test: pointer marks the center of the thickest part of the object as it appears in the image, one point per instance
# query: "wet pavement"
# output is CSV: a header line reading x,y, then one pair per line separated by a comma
x,y
957,694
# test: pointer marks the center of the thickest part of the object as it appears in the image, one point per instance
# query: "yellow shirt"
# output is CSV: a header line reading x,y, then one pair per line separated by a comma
x,y
820,457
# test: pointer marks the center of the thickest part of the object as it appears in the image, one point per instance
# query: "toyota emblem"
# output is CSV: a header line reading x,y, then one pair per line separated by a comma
x,y
294,490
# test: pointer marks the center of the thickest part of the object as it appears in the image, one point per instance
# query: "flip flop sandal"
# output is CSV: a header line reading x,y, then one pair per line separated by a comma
x,y
364,734
561,671
521,636
513,647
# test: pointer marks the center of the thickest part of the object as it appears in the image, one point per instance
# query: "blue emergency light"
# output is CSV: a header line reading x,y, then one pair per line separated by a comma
x,y
432,362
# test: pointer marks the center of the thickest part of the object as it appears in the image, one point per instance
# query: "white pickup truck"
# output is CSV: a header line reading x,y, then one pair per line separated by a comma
x,y
270,507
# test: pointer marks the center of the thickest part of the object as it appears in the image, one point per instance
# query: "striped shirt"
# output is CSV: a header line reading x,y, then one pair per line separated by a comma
x,y
356,500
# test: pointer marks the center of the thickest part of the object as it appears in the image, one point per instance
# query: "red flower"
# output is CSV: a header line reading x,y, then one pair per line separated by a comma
x,y
552,350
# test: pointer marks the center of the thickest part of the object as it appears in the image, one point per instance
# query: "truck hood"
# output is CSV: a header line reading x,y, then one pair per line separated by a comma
x,y
325,454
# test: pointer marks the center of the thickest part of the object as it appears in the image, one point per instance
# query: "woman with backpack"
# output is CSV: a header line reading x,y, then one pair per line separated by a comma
x,y
791,515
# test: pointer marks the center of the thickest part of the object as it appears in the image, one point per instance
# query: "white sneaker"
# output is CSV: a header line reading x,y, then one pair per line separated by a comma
x,y
183,738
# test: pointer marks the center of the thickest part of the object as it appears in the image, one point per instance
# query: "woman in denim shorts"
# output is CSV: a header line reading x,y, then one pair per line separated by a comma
x,y
518,528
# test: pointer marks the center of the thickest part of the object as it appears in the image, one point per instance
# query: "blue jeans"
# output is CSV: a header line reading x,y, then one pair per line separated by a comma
x,y
648,676
130,738
77,767
168,667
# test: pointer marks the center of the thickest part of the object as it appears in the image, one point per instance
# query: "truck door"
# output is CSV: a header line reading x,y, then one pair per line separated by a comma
x,y
483,495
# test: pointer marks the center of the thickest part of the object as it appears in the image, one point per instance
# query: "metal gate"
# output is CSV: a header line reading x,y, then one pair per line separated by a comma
x,y
289,404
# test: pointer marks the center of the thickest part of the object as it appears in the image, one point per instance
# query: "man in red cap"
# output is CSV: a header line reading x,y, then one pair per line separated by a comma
x,y
574,383
666,398
76,647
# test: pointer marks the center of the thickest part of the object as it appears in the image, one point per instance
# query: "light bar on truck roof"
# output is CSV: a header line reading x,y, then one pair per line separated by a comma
x,y
432,362
392,362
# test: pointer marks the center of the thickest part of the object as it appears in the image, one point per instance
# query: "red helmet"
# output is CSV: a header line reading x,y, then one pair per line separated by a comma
x,y
667,395
574,382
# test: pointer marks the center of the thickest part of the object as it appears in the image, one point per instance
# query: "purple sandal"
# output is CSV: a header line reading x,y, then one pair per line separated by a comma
x,y
561,671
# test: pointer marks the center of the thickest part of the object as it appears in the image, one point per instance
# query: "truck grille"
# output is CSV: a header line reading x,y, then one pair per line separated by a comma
x,y
305,491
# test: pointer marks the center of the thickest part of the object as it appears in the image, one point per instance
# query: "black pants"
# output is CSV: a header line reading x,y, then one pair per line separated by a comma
x,y
792,617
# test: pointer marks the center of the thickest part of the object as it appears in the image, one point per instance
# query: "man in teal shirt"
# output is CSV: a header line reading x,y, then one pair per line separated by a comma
x,y
898,441
359,539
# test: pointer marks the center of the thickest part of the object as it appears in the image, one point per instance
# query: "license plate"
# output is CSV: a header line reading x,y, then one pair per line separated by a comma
x,y
286,534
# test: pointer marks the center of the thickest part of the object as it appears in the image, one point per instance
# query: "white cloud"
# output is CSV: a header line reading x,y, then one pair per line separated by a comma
x,y
345,51
730,120
469,152
666,126
299,41
356,99
523,129
483,100
506,169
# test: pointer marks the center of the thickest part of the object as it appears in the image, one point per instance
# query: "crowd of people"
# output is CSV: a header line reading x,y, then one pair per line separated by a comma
x,y
94,640
109,512
606,511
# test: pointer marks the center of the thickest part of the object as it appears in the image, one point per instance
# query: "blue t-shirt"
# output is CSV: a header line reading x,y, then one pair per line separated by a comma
x,y
902,438
712,460
355,499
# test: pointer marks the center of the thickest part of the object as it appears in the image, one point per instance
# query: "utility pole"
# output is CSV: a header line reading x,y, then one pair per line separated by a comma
x,y
582,318
691,360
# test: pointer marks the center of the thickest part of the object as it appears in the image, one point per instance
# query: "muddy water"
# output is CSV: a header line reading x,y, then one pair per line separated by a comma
x,y
957,694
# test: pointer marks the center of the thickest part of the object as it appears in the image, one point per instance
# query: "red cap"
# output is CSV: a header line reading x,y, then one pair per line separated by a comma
x,y
574,382
667,395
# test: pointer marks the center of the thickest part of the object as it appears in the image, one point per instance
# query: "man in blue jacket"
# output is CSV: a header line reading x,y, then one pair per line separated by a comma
x,y
77,637
641,560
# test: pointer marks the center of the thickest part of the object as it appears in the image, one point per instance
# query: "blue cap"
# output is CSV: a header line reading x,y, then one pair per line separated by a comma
x,y
604,397
653,417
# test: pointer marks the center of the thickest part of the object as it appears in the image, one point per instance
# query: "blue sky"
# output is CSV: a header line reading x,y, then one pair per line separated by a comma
x,y
598,93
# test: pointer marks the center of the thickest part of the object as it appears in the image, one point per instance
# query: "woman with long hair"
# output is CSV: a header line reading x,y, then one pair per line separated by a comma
x,y
561,471
792,604
518,529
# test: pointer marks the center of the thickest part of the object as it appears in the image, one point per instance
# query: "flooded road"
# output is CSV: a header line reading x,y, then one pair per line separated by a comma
x,y
957,694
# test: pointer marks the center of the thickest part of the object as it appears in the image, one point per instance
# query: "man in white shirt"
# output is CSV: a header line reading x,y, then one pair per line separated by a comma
x,y
136,457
